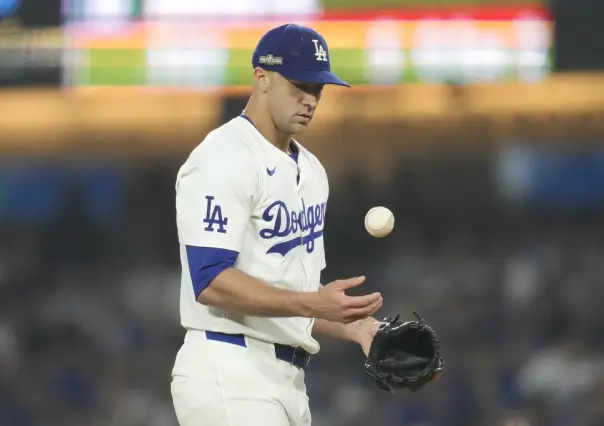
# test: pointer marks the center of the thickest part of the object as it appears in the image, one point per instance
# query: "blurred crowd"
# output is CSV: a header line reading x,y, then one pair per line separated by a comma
x,y
89,320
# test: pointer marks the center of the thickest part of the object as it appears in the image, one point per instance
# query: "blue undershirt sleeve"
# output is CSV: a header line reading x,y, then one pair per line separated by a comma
x,y
205,263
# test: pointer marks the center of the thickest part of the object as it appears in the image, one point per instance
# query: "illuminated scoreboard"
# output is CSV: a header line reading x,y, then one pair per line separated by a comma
x,y
203,44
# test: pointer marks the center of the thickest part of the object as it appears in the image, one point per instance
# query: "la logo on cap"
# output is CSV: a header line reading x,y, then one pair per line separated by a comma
x,y
320,53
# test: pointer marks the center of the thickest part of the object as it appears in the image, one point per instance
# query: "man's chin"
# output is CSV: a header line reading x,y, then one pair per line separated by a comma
x,y
298,128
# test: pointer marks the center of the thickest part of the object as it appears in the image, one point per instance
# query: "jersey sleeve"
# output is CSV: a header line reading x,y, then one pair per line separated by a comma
x,y
214,202
206,263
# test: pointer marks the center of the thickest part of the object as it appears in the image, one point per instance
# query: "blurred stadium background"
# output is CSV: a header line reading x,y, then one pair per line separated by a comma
x,y
478,122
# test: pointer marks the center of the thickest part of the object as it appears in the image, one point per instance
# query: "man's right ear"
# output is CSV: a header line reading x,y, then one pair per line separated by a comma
x,y
261,77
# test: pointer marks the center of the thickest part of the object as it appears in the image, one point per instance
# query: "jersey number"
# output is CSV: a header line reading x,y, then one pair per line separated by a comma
x,y
214,217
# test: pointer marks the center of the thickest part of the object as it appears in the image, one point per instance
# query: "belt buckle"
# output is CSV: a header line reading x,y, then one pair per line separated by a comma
x,y
306,358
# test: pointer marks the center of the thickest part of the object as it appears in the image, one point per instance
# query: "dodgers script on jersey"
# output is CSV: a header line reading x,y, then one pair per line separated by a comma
x,y
238,192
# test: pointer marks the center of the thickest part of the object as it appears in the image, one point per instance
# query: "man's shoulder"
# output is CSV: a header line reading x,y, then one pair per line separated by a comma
x,y
228,134
223,153
224,142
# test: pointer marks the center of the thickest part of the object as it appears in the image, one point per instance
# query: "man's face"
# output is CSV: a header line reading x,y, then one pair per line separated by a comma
x,y
292,104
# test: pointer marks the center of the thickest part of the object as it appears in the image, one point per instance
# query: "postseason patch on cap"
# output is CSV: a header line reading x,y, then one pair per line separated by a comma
x,y
271,60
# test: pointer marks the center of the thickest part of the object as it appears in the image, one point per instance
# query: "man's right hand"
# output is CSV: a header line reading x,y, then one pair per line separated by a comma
x,y
333,304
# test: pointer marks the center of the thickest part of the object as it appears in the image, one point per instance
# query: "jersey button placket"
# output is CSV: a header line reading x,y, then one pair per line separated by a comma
x,y
301,220
300,203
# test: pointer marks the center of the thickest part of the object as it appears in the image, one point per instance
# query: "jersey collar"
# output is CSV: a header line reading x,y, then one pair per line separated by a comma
x,y
294,146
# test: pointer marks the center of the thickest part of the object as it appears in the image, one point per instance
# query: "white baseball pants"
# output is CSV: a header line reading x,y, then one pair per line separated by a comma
x,y
221,384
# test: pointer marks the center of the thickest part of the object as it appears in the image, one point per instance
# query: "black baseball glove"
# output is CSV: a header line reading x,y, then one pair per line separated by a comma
x,y
404,355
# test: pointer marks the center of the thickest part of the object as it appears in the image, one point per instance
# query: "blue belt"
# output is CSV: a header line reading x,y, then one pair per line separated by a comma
x,y
296,356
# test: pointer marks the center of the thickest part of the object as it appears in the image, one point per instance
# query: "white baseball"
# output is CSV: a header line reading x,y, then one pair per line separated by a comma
x,y
379,221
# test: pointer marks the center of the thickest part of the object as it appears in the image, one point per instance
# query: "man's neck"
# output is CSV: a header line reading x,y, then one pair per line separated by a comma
x,y
267,128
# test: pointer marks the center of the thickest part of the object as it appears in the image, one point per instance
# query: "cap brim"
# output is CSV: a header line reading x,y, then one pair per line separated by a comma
x,y
318,77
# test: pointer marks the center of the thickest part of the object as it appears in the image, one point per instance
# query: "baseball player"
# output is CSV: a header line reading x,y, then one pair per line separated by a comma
x,y
251,204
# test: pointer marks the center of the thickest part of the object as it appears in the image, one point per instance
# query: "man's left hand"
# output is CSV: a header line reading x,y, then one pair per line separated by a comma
x,y
365,330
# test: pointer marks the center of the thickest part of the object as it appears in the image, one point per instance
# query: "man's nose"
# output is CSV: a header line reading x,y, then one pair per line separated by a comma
x,y
310,101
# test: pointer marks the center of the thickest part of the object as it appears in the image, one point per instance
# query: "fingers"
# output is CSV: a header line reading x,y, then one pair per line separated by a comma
x,y
353,308
356,314
375,307
349,283
362,301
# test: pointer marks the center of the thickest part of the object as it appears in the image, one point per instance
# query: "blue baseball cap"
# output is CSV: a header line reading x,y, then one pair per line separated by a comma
x,y
297,53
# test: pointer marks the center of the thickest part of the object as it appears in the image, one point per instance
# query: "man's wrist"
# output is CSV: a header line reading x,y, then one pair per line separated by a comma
x,y
352,332
303,304
348,332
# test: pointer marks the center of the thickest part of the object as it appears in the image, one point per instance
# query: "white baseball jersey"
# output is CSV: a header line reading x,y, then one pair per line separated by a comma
x,y
239,194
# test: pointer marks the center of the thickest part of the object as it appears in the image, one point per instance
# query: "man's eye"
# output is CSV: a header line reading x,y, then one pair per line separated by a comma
x,y
310,88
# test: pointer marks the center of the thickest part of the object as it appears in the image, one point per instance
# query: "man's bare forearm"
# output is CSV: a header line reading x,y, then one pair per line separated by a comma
x,y
348,332
236,291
